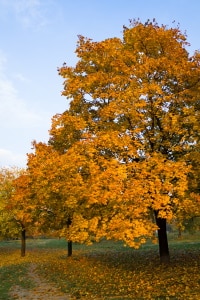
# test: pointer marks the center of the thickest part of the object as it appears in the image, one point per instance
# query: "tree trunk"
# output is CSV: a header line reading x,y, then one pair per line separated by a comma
x,y
69,244
179,233
23,242
162,239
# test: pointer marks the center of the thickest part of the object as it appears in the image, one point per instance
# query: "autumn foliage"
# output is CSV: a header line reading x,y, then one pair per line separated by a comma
x,y
120,162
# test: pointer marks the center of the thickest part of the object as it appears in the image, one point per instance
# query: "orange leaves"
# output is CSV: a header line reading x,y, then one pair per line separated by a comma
x,y
65,130
130,95
119,152
13,191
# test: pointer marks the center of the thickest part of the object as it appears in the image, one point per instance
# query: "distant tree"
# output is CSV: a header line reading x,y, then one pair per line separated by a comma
x,y
8,226
17,208
22,207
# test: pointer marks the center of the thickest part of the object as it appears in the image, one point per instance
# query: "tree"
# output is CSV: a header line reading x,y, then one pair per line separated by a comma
x,y
17,207
8,228
60,190
22,207
102,181
137,96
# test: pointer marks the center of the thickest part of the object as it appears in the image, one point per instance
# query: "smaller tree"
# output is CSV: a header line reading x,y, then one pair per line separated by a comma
x,y
17,208
8,226
60,191
22,207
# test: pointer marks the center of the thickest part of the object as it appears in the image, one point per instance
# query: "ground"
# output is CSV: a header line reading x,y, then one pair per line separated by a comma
x,y
105,270
42,290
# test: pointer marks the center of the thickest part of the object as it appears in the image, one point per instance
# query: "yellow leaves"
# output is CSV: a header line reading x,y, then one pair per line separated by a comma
x,y
118,152
15,206
133,231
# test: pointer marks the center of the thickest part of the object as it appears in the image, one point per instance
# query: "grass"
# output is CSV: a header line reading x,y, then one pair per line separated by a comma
x,y
107,270
13,275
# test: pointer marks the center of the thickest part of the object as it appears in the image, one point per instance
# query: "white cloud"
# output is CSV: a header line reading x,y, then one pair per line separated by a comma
x,y
3,61
13,110
19,123
20,77
30,13
9,159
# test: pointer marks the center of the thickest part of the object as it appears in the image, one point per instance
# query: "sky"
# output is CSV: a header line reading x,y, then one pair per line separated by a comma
x,y
38,36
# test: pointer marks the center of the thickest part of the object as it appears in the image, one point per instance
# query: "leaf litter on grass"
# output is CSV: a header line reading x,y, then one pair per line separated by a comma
x,y
130,275
111,274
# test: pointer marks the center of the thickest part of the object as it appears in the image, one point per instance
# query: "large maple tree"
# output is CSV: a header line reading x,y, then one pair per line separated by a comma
x,y
132,106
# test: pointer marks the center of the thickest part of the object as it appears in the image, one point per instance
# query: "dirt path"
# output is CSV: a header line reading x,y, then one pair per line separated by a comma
x,y
42,290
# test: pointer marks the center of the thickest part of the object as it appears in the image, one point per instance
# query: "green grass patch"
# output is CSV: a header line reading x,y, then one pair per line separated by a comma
x,y
13,275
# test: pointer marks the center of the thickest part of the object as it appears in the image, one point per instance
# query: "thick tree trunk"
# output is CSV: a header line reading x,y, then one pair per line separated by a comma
x,y
69,244
23,242
162,239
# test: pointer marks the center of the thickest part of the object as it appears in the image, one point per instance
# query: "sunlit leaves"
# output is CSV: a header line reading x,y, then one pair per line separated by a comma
x,y
8,224
135,100
120,152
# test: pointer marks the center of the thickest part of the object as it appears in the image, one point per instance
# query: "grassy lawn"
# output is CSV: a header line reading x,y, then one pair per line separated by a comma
x,y
106,270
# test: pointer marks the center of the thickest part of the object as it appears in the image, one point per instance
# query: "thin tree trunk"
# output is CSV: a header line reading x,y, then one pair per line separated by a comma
x,y
179,233
23,242
162,239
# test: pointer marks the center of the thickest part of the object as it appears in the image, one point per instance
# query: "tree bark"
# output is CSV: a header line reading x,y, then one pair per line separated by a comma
x,y
69,244
179,233
23,242
162,239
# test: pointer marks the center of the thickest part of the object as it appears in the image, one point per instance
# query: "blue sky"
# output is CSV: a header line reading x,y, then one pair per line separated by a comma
x,y
37,36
